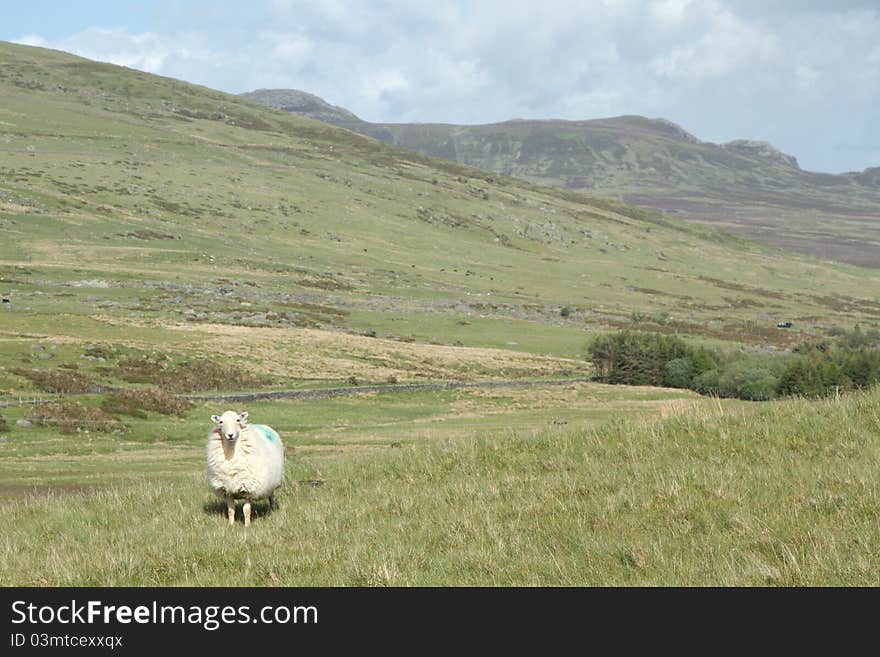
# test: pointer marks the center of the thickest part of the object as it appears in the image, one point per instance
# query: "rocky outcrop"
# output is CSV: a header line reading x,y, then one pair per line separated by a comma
x,y
762,149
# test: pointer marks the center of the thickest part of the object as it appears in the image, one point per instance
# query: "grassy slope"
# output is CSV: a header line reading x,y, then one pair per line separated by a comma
x,y
778,493
655,164
126,195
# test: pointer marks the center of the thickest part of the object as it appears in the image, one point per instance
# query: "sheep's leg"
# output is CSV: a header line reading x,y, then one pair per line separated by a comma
x,y
272,503
247,513
230,509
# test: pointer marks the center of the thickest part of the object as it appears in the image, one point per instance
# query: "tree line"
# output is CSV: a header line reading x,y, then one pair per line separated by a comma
x,y
846,360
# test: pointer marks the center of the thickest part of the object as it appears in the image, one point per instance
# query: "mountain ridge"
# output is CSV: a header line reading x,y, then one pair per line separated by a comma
x,y
745,186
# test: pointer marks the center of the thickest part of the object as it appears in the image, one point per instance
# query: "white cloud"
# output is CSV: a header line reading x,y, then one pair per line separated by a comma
x,y
722,68
289,48
147,51
670,13
31,40
726,44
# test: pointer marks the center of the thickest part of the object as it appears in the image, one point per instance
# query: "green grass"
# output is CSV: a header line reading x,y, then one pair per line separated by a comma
x,y
179,204
758,196
773,494
145,217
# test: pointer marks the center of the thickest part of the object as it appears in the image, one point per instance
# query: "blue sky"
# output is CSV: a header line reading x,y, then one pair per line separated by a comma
x,y
804,75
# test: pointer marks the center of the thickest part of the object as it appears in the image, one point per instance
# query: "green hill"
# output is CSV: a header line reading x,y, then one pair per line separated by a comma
x,y
131,202
746,187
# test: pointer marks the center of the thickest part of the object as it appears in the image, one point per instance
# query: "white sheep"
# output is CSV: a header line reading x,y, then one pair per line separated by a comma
x,y
245,462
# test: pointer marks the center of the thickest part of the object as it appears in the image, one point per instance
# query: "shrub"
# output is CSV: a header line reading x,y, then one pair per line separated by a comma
x,y
71,417
679,373
707,383
188,376
136,402
99,351
748,380
634,358
812,378
661,318
143,369
201,374
817,368
861,367
3,425
60,380
565,311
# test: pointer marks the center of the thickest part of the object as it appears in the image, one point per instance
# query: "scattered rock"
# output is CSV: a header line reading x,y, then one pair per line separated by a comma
x,y
24,424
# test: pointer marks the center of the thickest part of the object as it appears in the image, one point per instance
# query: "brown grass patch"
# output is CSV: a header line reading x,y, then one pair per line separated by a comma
x,y
135,402
188,376
72,417
60,380
315,354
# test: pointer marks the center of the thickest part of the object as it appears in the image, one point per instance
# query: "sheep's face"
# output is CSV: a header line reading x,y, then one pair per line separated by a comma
x,y
230,424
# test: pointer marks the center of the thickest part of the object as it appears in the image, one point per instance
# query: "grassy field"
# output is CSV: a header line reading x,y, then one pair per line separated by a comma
x,y
160,236
582,486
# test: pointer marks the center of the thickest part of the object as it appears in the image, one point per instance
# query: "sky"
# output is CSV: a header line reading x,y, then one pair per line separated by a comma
x,y
801,74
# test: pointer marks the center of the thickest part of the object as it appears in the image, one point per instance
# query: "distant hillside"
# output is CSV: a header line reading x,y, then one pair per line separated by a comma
x,y
129,199
746,187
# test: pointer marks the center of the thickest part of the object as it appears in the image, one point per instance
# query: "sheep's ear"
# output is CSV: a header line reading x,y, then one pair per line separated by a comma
x,y
215,419
242,417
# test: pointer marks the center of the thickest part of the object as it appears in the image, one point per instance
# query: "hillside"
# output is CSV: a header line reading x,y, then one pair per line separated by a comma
x,y
158,215
746,187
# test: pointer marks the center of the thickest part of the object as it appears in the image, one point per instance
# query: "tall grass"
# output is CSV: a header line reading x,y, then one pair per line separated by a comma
x,y
782,494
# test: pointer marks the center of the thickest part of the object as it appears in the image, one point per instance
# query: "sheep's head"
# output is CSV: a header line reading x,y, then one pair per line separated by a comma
x,y
230,424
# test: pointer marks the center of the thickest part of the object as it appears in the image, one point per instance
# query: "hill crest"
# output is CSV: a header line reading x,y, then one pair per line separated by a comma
x,y
745,186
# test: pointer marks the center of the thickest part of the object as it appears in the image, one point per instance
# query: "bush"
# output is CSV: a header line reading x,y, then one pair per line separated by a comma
x,y
679,373
137,402
812,378
861,367
188,376
59,380
858,339
3,425
71,417
707,383
817,368
634,358
661,318
748,380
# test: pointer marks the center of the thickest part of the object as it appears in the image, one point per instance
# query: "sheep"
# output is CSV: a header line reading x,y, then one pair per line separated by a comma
x,y
245,462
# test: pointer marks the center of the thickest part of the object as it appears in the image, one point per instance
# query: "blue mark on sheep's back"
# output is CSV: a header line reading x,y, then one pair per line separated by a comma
x,y
267,432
